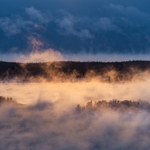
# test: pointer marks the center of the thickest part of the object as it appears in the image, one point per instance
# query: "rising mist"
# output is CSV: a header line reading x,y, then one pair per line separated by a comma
x,y
45,116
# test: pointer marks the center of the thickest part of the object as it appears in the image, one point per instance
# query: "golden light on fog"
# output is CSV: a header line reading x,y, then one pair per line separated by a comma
x,y
75,92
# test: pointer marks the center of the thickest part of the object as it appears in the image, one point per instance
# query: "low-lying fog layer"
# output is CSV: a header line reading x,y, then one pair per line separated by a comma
x,y
75,92
53,55
49,119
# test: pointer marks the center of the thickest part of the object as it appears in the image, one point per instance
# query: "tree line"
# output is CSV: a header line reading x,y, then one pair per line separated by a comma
x,y
109,71
6,100
115,105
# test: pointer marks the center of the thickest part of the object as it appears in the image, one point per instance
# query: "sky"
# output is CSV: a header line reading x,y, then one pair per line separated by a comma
x,y
75,26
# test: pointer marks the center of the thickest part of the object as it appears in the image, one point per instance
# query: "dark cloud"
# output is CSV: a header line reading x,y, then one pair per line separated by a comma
x,y
68,24
129,12
74,26
13,26
106,24
36,14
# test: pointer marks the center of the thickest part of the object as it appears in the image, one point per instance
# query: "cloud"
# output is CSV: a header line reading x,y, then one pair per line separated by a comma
x,y
37,15
69,27
130,11
13,26
63,24
106,24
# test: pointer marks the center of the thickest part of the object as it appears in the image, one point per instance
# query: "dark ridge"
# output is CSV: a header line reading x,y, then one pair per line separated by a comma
x,y
108,71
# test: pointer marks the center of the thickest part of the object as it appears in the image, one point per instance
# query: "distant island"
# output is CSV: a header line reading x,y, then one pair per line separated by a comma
x,y
124,105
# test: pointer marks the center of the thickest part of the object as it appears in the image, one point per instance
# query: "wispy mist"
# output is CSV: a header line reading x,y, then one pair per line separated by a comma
x,y
45,115
43,38
45,126
51,55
